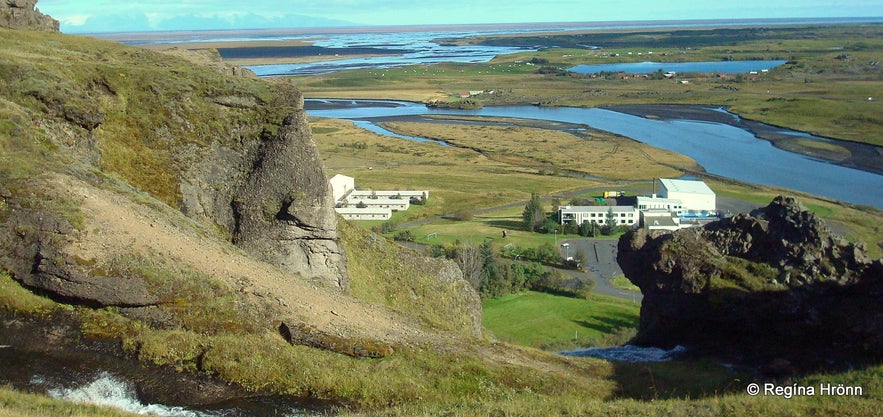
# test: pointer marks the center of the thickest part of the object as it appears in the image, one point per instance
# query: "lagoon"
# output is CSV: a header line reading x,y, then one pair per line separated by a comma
x,y
724,67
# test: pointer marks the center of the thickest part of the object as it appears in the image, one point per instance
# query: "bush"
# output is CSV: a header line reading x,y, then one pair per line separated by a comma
x,y
462,215
404,236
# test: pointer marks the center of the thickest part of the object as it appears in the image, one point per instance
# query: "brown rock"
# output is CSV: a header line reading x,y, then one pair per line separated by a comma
x,y
22,14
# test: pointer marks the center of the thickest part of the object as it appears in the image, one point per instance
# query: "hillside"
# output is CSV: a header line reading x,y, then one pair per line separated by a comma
x,y
170,206
168,214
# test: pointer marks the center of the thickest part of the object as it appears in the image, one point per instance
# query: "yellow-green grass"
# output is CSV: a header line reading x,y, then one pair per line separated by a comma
x,y
20,404
486,227
88,80
550,321
599,153
15,298
623,283
729,399
261,361
457,179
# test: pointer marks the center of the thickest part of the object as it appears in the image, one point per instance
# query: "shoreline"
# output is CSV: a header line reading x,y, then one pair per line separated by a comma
x,y
860,156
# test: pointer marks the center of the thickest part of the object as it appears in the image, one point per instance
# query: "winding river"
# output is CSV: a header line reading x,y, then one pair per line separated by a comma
x,y
721,149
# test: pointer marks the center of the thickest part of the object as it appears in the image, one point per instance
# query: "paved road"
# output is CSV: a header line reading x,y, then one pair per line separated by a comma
x,y
600,264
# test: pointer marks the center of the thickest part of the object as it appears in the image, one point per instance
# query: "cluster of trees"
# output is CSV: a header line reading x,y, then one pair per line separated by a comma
x,y
535,219
494,276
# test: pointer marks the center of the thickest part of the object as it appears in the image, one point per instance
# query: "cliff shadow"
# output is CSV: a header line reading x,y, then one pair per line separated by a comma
x,y
735,337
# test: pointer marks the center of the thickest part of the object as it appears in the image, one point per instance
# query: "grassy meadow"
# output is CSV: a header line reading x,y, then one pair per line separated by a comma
x,y
549,321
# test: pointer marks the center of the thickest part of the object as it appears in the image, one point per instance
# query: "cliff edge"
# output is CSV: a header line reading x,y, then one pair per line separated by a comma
x,y
759,287
23,14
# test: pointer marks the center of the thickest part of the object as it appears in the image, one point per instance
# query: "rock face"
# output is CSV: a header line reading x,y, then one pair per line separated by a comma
x,y
284,213
271,195
759,287
22,14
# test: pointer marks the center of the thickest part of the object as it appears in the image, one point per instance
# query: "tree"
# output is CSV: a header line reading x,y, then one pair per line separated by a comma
x,y
609,227
585,229
493,284
533,214
471,263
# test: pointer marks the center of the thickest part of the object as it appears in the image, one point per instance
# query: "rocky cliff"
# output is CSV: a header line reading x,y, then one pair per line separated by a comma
x,y
232,152
22,14
190,198
759,287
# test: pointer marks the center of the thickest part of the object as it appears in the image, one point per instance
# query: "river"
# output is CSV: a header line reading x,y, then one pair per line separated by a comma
x,y
721,149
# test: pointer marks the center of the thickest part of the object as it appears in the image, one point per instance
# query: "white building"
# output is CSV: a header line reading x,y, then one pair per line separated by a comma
x,y
659,203
369,213
695,195
394,204
341,185
623,215
660,219
406,194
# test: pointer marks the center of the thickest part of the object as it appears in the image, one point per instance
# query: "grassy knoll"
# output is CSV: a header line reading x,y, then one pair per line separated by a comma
x,y
729,400
823,89
550,321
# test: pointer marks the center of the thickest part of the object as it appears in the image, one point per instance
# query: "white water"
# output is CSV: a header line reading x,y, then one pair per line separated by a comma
x,y
110,391
628,353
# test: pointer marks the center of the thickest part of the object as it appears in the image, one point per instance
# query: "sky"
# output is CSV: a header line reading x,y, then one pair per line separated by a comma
x,y
92,16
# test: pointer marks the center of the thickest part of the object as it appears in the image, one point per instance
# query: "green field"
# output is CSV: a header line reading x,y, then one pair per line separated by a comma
x,y
554,322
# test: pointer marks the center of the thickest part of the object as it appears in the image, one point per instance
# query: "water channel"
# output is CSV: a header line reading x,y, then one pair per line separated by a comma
x,y
721,149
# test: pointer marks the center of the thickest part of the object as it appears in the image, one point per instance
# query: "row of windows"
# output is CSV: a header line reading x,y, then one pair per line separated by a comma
x,y
604,215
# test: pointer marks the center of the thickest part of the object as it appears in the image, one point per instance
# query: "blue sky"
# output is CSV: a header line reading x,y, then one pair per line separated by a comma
x,y
83,16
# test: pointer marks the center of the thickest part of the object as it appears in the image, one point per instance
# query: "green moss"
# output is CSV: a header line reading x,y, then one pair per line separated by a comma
x,y
17,299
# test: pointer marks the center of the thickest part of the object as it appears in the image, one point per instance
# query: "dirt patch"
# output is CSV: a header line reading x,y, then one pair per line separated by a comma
x,y
117,225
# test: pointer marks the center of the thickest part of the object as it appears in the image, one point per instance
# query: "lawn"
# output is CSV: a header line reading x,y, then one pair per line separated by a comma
x,y
554,322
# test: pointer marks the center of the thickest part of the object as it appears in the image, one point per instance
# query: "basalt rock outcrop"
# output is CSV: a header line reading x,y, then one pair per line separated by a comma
x,y
284,212
22,14
775,285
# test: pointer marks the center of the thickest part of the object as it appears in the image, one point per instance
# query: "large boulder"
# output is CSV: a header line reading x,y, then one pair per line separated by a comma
x,y
22,14
758,287
284,212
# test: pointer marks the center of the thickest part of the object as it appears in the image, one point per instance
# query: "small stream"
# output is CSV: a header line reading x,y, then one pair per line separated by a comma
x,y
629,353
101,379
